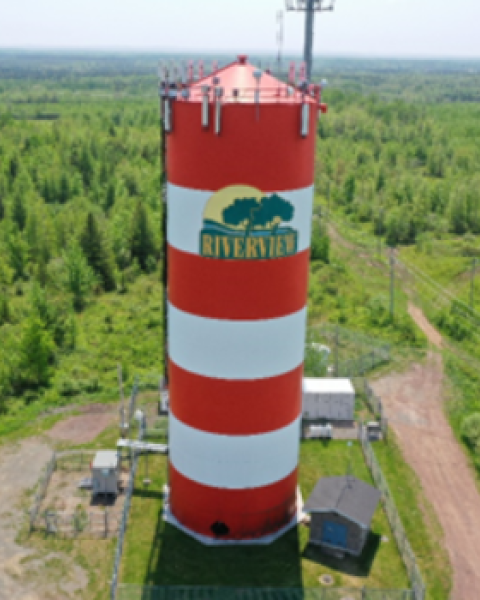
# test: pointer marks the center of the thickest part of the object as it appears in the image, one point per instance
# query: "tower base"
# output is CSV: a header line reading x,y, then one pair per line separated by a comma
x,y
168,517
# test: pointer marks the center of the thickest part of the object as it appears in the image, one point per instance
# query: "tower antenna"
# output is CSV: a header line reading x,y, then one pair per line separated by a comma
x,y
309,7
280,37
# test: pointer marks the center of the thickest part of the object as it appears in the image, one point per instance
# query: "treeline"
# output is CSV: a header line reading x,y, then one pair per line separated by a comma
x,y
80,215
409,170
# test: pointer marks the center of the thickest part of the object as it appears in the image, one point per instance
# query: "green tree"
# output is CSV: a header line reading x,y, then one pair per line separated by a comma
x,y
14,166
41,272
6,271
86,167
37,350
19,211
457,212
2,207
381,181
64,189
110,196
5,315
349,189
79,278
320,246
17,250
141,241
94,249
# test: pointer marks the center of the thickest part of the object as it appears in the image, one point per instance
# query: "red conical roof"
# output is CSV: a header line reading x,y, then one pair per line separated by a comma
x,y
239,84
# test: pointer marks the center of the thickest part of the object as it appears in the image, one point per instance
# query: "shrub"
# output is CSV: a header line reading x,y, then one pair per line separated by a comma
x,y
471,431
320,247
452,325
379,314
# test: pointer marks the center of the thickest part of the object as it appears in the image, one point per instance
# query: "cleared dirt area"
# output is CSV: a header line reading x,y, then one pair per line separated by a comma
x,y
414,405
26,574
86,427
21,571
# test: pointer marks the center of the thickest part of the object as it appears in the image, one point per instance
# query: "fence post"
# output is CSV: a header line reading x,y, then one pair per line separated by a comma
x,y
336,351
106,522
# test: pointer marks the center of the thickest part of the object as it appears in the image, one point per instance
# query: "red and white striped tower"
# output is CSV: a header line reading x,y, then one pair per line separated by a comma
x,y
240,164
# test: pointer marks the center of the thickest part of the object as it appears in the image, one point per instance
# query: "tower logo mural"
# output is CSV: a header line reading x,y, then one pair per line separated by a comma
x,y
242,223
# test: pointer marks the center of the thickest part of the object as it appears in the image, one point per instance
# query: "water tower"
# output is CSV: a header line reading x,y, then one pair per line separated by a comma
x,y
240,166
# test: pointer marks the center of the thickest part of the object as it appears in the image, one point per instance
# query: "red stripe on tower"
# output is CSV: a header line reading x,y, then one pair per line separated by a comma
x,y
240,169
237,290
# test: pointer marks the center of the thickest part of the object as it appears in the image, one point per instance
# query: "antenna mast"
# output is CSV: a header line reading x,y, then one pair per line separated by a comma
x,y
309,7
279,41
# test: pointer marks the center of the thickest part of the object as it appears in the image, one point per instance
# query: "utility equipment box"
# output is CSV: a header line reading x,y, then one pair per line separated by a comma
x,y
331,399
105,472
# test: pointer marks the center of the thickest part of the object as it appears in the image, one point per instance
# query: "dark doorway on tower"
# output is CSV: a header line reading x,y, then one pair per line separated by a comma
x,y
219,529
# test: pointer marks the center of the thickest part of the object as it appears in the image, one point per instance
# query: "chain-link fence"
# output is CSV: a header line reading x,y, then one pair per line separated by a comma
x,y
133,400
394,519
373,402
74,460
344,353
63,506
137,592
124,520
42,490
80,524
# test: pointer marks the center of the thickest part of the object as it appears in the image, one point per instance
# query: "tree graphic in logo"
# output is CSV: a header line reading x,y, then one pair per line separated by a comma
x,y
268,213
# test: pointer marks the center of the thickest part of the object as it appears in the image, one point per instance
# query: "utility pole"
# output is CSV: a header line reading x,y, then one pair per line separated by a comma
x,y
309,7
392,284
328,197
379,232
164,93
472,284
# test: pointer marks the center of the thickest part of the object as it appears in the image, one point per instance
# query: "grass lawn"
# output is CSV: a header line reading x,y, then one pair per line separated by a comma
x,y
95,557
157,554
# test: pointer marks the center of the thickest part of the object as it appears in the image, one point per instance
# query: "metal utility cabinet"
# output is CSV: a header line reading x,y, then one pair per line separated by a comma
x,y
105,473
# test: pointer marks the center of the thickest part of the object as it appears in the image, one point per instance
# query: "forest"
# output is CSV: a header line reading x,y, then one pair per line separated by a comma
x,y
80,206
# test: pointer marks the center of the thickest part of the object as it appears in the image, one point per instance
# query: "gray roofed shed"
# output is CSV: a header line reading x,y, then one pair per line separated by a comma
x,y
327,398
341,511
346,495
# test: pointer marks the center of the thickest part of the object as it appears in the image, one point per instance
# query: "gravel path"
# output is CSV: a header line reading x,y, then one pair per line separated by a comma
x,y
414,405
20,468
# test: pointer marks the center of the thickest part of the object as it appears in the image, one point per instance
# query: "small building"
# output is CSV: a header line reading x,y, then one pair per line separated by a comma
x,y
105,473
330,399
341,510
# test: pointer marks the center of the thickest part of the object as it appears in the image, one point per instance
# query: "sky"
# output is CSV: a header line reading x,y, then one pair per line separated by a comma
x,y
387,28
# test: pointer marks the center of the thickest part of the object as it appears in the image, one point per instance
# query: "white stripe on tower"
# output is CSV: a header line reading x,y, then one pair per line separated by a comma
x,y
185,216
233,462
236,349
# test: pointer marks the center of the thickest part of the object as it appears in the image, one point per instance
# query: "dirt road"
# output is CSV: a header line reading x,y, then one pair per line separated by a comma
x,y
414,405
19,470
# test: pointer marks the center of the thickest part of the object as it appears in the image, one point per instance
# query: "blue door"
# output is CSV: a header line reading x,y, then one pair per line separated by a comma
x,y
334,534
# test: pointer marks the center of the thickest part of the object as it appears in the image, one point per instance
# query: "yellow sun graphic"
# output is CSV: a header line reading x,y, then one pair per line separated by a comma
x,y
226,196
